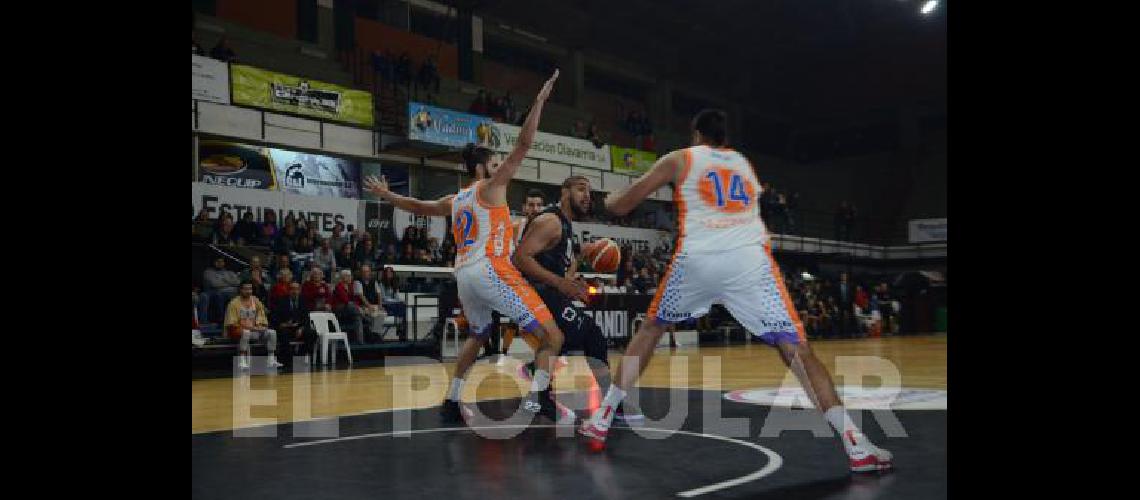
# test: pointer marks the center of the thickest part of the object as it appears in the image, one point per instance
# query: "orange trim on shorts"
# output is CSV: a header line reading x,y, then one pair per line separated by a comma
x,y
679,201
682,211
514,279
497,216
795,315
651,313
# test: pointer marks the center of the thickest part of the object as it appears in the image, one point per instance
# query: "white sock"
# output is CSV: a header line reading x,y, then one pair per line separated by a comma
x,y
456,386
840,421
540,381
613,398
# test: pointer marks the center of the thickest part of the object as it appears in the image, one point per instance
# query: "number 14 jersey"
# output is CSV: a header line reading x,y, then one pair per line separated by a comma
x,y
717,197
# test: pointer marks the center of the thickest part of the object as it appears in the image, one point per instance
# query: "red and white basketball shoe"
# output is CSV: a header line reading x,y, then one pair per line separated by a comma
x,y
865,457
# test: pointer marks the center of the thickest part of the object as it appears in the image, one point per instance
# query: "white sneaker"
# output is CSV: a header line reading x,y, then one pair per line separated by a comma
x,y
598,425
874,460
273,362
243,364
566,416
866,457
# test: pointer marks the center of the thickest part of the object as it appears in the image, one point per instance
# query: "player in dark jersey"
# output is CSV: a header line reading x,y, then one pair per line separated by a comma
x,y
547,259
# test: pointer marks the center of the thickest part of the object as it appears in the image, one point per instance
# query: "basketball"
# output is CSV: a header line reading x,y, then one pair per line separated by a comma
x,y
603,255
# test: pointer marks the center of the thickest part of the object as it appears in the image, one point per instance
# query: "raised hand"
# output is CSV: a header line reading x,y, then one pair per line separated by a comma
x,y
376,186
547,87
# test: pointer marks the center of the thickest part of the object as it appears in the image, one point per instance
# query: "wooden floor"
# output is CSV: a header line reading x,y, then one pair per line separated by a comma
x,y
920,361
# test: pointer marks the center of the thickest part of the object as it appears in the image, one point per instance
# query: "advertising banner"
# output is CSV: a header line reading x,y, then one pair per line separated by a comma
x,y
378,221
321,211
210,80
452,128
631,161
436,226
446,127
280,92
559,148
315,175
233,200
233,164
638,238
927,230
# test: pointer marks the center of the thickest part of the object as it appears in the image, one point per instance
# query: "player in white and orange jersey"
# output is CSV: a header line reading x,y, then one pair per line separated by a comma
x,y
484,275
534,202
722,256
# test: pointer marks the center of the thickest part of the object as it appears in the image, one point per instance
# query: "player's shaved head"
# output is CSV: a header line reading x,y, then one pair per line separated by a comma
x,y
576,195
574,179
712,125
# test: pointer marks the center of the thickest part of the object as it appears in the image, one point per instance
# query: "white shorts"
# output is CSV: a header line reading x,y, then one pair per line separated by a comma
x,y
486,286
745,280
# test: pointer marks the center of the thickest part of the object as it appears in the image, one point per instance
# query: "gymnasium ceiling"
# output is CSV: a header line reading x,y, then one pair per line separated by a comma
x,y
799,60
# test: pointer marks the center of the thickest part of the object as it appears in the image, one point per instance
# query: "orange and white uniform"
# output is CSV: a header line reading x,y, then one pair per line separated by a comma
x,y
722,253
484,242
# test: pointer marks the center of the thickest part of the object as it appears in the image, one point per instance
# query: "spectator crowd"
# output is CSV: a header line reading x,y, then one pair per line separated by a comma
x,y
588,132
637,124
362,289
843,309
640,269
398,72
779,210
499,108
299,241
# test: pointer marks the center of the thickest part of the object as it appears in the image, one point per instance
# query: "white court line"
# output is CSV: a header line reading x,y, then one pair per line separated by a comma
x,y
774,459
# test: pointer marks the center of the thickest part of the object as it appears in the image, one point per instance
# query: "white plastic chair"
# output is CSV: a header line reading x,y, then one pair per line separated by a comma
x,y
320,322
450,350
865,320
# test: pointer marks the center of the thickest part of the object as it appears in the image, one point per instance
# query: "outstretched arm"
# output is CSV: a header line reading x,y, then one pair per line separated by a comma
x,y
379,187
624,200
502,175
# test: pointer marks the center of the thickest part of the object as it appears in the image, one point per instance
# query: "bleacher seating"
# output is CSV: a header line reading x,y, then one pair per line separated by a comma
x,y
274,53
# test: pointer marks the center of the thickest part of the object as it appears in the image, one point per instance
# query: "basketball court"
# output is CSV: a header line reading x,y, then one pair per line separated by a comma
x,y
717,426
